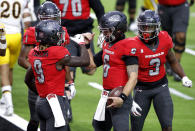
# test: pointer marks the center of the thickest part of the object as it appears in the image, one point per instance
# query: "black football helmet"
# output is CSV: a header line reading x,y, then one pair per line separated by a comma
x,y
148,25
113,25
49,32
49,10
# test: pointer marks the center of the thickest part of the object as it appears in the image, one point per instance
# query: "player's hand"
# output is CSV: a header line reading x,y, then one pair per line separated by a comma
x,y
117,102
186,82
72,90
79,39
100,40
88,37
134,109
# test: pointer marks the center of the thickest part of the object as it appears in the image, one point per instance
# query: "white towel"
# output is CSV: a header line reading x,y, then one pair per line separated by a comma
x,y
56,109
100,111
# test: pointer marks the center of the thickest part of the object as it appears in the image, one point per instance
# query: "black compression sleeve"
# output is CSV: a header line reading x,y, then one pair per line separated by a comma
x,y
98,58
97,7
130,60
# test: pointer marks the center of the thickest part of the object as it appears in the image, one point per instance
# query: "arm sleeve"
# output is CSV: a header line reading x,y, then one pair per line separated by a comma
x,y
130,60
98,59
97,7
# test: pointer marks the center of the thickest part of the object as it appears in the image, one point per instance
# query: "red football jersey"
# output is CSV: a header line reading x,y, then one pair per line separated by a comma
x,y
73,9
30,39
171,2
47,78
114,68
151,63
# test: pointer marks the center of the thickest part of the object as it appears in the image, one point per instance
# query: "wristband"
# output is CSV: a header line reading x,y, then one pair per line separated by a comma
x,y
87,46
123,97
70,82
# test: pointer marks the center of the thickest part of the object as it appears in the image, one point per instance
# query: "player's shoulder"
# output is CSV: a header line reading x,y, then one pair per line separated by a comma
x,y
130,42
164,34
30,30
57,49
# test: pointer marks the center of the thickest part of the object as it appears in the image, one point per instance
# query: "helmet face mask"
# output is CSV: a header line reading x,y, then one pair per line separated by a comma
x,y
148,25
148,31
113,25
107,34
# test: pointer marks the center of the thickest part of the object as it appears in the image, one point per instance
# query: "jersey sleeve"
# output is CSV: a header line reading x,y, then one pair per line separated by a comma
x,y
62,52
130,48
29,37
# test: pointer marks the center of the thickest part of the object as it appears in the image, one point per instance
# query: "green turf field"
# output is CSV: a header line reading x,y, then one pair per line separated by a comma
x,y
86,99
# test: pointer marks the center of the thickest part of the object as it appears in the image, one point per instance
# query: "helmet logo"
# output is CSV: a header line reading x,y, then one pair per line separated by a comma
x,y
114,18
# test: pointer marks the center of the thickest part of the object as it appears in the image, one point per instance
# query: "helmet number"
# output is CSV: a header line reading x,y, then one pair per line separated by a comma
x,y
106,66
75,5
16,9
155,62
39,71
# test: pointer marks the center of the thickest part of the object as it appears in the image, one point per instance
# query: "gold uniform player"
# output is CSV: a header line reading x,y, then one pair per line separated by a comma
x,y
150,5
12,12
3,43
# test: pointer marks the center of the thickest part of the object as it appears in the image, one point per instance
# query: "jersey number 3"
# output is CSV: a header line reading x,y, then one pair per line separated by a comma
x,y
155,62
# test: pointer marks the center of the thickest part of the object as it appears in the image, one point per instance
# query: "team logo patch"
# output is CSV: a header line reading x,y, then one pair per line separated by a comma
x,y
133,50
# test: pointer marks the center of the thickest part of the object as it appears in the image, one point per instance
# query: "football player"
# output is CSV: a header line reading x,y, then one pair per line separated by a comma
x,y
3,43
47,10
49,70
152,86
149,5
174,16
76,18
120,68
120,6
12,13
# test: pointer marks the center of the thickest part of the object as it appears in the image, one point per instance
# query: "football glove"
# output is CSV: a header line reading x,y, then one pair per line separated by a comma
x,y
186,82
72,90
134,109
79,39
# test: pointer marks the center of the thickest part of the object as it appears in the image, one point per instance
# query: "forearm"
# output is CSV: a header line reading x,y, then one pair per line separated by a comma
x,y
175,65
23,62
30,80
130,84
68,76
92,63
177,68
84,56
132,71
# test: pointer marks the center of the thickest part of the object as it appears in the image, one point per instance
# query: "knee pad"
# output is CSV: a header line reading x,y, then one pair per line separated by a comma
x,y
180,45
